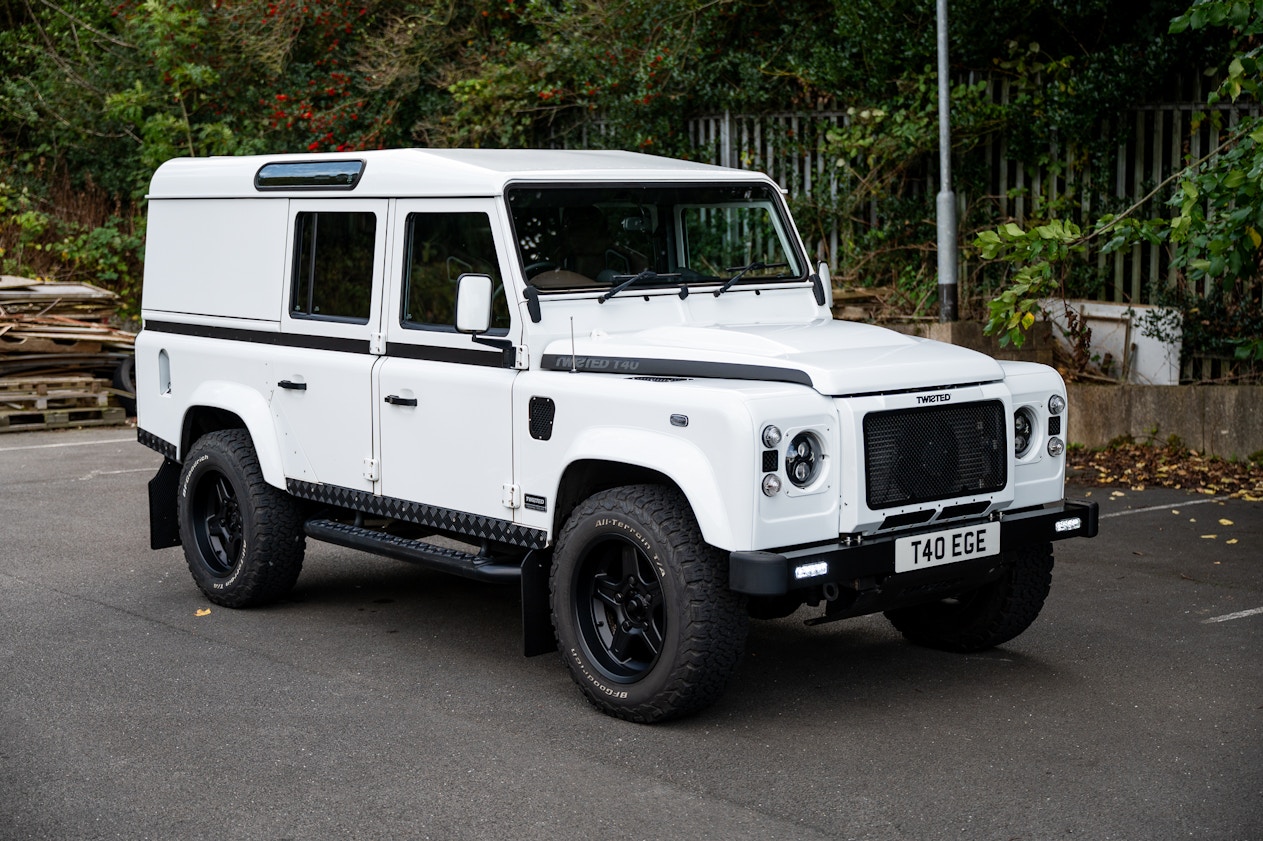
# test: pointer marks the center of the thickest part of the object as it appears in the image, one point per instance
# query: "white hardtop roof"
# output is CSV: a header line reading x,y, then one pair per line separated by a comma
x,y
432,172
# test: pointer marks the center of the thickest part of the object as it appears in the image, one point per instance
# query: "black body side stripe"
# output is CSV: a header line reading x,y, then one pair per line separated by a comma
x,y
675,368
436,353
262,337
459,356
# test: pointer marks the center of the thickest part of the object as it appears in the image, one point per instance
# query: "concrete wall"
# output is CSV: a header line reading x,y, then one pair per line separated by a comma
x,y
1222,420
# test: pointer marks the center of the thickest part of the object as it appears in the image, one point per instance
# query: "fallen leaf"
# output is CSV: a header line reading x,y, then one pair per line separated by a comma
x,y
1210,536
1224,522
1230,542
203,612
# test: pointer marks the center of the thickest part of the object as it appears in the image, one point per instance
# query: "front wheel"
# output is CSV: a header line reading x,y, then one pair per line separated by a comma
x,y
644,618
985,617
243,539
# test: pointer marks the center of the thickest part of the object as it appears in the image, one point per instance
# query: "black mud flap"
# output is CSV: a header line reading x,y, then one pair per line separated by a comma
x,y
164,524
537,621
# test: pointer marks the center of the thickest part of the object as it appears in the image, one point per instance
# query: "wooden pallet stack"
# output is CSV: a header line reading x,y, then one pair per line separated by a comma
x,y
61,363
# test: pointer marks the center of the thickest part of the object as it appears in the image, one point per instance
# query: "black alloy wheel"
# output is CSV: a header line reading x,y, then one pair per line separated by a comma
x,y
216,521
619,609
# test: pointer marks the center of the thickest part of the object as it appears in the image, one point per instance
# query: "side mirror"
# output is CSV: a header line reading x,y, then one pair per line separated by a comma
x,y
473,303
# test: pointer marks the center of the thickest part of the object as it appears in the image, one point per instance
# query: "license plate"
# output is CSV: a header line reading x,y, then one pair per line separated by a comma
x,y
946,547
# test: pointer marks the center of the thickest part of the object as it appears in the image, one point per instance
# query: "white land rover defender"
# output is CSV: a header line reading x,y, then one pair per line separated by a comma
x,y
614,378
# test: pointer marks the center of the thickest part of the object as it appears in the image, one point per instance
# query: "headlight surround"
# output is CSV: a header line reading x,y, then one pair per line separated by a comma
x,y
804,459
1023,431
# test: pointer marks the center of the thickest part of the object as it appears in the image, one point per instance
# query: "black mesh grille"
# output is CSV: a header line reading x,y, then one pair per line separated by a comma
x,y
771,461
921,455
542,410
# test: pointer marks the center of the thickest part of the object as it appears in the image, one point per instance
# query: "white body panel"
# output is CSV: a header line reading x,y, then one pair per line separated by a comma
x,y
220,335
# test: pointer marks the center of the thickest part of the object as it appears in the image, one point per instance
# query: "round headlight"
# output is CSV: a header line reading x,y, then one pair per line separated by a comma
x,y
1056,404
1056,446
804,459
771,436
1023,431
771,485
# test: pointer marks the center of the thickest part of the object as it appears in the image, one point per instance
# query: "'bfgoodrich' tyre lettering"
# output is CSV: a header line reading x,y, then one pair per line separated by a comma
x,y
243,539
641,608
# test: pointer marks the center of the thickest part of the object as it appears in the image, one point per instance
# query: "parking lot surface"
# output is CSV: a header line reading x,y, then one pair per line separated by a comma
x,y
386,701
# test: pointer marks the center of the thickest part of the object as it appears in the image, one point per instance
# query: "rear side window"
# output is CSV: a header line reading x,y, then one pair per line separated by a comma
x,y
441,248
333,265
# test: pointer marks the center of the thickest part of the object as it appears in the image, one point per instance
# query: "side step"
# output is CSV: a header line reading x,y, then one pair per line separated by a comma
x,y
477,567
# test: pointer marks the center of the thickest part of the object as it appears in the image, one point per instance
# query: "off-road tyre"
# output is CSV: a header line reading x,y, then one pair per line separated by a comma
x,y
986,617
243,539
644,618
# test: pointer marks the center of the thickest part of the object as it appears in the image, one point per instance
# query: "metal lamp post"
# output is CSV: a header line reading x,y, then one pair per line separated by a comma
x,y
946,203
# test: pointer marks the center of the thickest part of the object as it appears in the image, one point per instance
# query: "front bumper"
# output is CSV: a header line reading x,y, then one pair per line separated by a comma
x,y
873,558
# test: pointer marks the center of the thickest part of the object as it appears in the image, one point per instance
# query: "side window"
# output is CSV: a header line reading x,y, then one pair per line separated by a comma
x,y
440,248
333,265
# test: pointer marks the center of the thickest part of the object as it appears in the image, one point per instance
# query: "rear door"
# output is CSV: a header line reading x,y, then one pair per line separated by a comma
x,y
321,372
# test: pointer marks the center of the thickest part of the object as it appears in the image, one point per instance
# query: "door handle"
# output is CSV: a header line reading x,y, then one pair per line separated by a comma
x,y
290,384
396,400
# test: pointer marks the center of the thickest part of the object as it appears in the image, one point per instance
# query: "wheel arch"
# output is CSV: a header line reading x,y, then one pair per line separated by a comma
x,y
217,406
647,458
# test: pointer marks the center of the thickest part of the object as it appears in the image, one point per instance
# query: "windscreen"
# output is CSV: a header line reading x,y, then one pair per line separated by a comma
x,y
600,237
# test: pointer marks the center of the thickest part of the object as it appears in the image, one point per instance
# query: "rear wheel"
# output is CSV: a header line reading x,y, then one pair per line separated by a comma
x,y
985,617
644,618
243,539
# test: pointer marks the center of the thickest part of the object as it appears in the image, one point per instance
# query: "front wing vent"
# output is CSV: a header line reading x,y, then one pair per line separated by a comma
x,y
926,454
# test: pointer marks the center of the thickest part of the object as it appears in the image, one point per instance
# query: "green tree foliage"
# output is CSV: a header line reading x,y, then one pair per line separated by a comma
x,y
95,93
1215,229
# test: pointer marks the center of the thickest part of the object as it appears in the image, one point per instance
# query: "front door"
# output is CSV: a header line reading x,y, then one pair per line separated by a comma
x,y
445,398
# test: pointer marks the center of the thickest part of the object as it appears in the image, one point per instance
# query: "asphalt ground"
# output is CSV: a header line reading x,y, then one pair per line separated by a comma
x,y
386,701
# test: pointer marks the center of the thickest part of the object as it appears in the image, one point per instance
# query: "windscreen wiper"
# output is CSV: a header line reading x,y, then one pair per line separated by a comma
x,y
632,280
741,270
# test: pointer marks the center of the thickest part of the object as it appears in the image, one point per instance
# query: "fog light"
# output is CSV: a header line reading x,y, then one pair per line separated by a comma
x,y
1056,446
1056,404
1071,524
811,570
771,437
771,484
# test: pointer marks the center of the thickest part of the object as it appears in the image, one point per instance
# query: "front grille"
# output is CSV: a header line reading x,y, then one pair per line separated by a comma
x,y
922,455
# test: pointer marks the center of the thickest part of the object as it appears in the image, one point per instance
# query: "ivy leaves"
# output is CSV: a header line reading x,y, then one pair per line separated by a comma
x,y
1035,255
1216,226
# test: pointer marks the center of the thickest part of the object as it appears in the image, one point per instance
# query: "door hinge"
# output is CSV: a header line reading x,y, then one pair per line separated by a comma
x,y
521,358
372,470
377,343
511,496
